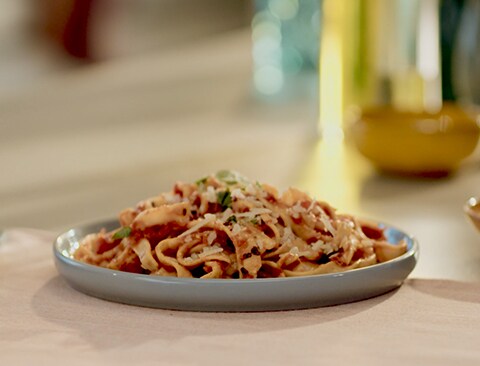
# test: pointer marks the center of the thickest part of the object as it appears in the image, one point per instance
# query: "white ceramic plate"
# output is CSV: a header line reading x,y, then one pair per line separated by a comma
x,y
230,294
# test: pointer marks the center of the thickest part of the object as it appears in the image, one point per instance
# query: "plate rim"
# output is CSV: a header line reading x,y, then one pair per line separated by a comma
x,y
413,250
251,294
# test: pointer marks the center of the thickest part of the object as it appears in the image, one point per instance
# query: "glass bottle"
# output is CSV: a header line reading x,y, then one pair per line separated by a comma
x,y
381,70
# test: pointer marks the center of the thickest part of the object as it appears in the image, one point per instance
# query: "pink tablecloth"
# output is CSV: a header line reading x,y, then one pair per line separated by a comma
x,y
44,321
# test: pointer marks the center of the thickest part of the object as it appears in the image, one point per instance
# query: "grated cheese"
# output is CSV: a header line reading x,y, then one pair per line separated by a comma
x,y
210,194
320,245
211,237
208,219
237,193
210,251
326,222
250,189
172,198
236,229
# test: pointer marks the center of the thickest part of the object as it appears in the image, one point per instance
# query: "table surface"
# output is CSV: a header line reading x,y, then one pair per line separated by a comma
x,y
83,146
45,321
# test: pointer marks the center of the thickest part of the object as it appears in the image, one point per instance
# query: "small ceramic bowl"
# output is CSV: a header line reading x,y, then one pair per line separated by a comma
x,y
416,143
472,209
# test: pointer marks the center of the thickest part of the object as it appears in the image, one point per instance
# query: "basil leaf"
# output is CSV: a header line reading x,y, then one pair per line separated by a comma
x,y
201,181
122,233
227,176
224,198
232,218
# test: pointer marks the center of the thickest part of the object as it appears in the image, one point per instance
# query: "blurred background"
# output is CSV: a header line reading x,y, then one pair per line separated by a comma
x,y
41,38
411,55
343,98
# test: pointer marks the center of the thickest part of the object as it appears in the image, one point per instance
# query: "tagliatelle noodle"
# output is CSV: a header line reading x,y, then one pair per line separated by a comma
x,y
225,226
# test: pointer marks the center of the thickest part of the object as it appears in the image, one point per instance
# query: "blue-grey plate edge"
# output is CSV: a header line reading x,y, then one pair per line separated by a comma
x,y
230,294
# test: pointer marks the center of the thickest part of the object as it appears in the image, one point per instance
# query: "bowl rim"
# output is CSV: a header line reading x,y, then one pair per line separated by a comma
x,y
470,205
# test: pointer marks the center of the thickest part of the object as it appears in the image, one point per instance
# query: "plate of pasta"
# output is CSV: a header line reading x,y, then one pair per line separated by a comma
x,y
225,243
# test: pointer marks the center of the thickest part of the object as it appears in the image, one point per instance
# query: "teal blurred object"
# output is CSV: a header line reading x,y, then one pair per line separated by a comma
x,y
465,56
450,17
285,38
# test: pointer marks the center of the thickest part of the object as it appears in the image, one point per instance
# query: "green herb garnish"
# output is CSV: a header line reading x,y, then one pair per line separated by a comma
x,y
227,177
201,181
122,233
232,218
224,198
254,221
